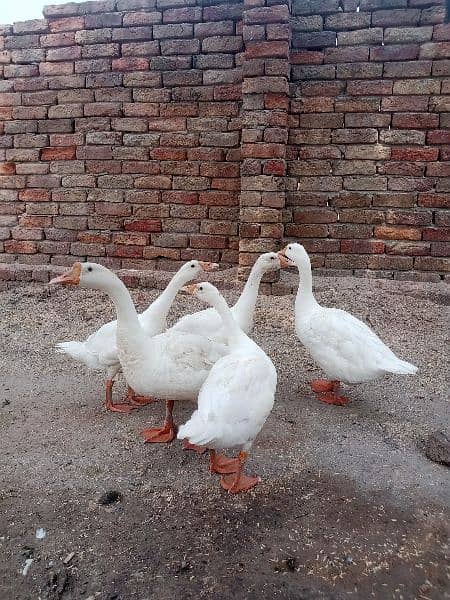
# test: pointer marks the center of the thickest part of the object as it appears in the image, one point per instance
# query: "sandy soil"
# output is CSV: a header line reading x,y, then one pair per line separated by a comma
x,y
348,507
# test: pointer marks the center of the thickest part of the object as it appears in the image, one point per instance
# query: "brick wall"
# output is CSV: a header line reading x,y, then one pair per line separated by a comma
x,y
369,139
141,133
122,134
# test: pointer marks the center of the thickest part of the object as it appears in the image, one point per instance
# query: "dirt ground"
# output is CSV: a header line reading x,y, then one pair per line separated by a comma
x,y
348,507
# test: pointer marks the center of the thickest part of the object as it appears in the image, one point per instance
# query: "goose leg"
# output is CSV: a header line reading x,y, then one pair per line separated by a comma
x,y
218,463
109,404
238,482
188,446
330,394
134,400
164,434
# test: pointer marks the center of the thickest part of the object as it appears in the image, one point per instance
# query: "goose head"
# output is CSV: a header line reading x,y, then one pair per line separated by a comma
x,y
294,254
85,275
205,291
194,268
268,262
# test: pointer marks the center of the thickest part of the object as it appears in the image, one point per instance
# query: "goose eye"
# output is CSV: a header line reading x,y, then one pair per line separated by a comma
x,y
272,258
89,268
192,266
201,288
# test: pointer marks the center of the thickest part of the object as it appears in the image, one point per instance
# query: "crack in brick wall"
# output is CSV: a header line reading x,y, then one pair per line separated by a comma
x,y
143,133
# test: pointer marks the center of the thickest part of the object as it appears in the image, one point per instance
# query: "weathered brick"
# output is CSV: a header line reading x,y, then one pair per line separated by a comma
x,y
202,30
371,36
406,35
22,41
271,14
316,39
63,54
415,120
140,49
66,24
183,46
222,44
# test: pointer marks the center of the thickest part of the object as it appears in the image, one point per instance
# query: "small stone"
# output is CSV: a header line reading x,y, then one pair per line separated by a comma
x,y
286,564
110,497
437,448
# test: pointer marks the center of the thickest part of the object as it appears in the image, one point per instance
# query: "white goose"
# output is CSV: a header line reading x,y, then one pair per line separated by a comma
x,y
234,401
99,351
342,345
208,322
171,366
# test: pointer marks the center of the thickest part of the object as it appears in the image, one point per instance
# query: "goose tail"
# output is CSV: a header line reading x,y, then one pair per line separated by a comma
x,y
78,351
195,430
401,367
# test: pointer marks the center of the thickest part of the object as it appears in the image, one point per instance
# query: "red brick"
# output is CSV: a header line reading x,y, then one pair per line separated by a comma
x,y
272,14
66,24
59,153
130,64
20,247
306,57
438,137
415,120
393,53
143,225
405,153
408,248
434,200
266,49
362,247
437,234
7,168
398,233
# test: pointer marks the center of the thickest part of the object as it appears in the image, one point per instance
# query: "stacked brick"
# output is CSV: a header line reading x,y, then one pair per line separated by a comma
x,y
369,136
265,105
141,133
121,134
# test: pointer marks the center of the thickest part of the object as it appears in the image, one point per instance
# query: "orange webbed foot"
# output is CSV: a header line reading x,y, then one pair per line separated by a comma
x,y
141,400
219,463
236,484
188,446
135,400
160,435
331,398
320,386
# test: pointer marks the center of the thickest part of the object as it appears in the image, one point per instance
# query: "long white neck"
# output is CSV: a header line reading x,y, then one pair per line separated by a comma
x,y
233,332
305,301
159,309
245,306
128,325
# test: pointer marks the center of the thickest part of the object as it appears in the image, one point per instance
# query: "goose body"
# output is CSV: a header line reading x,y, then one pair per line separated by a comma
x,y
346,348
99,351
342,345
208,322
235,399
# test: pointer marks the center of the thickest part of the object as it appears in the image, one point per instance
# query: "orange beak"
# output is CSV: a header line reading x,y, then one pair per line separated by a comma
x,y
208,266
71,277
284,262
189,289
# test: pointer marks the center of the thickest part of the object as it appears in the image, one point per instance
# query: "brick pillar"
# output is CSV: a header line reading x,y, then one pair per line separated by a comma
x,y
265,104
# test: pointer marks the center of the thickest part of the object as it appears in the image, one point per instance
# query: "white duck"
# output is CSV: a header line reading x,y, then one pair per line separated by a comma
x,y
208,322
99,351
343,346
171,366
234,401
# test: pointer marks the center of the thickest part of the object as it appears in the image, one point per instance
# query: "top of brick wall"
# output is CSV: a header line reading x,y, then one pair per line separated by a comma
x,y
74,9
